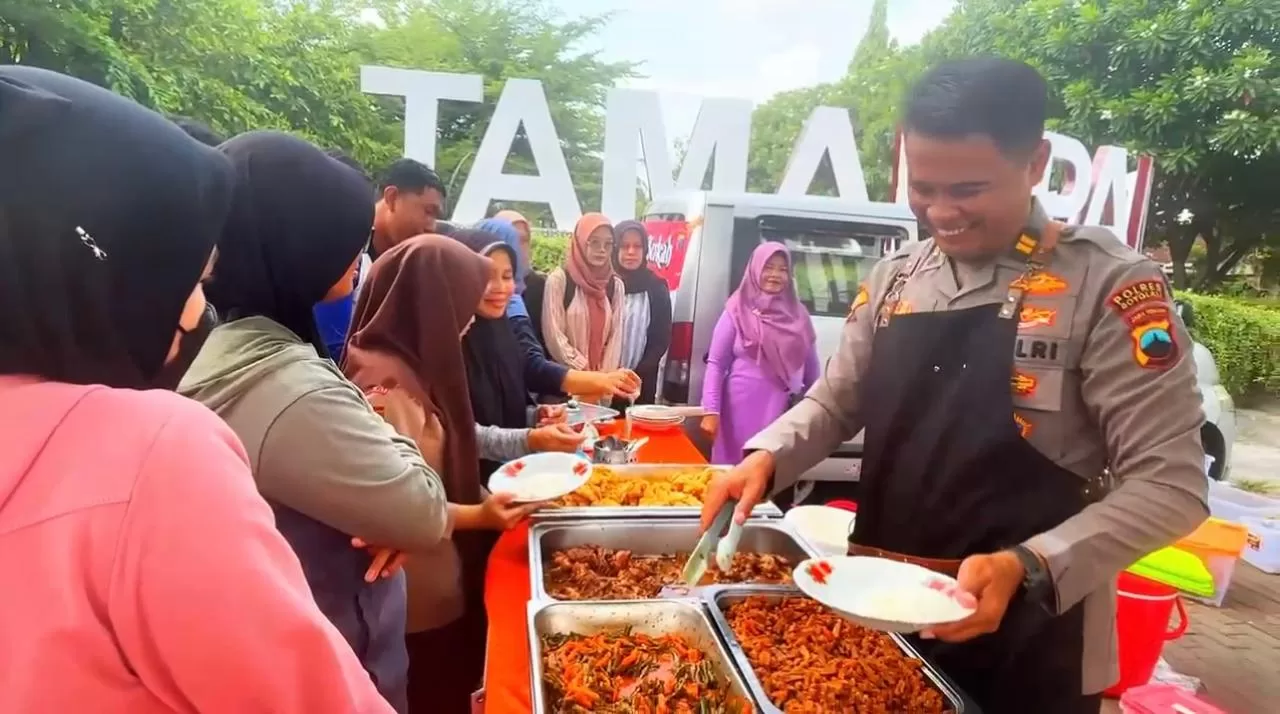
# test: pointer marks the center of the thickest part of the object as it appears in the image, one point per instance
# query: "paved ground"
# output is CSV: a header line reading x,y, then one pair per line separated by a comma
x,y
1235,650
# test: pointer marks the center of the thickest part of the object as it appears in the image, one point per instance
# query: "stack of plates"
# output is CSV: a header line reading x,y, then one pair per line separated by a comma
x,y
654,417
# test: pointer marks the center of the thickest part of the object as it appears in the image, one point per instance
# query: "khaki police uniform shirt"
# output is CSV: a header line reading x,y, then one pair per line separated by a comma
x,y
1085,395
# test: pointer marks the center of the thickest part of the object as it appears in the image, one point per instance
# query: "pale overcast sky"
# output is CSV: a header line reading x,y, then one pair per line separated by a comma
x,y
742,48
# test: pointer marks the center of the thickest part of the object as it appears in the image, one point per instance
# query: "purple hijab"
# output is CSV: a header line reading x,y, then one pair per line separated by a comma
x,y
774,329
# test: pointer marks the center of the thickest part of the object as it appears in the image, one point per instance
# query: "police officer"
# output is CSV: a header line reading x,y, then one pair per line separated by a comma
x,y
999,369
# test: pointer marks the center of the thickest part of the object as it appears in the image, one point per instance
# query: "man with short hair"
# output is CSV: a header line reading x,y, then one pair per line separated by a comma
x,y
410,201
1000,369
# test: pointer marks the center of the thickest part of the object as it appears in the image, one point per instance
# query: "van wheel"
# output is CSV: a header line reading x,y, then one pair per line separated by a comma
x,y
1215,446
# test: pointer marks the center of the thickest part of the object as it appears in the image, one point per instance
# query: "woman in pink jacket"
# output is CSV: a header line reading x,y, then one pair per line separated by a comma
x,y
142,572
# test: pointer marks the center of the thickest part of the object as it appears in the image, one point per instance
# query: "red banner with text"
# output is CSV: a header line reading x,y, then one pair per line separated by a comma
x,y
668,244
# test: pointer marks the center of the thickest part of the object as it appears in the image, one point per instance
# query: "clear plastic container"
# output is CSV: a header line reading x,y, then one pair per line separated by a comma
x,y
1219,544
1262,550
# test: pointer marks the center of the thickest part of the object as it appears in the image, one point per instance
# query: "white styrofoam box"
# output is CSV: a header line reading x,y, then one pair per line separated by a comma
x,y
1232,504
1263,549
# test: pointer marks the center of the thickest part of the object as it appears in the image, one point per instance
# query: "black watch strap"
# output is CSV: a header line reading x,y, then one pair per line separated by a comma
x,y
1036,581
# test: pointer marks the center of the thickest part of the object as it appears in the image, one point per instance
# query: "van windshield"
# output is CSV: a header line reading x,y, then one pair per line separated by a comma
x,y
831,258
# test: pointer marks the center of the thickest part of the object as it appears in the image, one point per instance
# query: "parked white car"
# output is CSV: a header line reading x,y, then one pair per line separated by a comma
x,y
834,244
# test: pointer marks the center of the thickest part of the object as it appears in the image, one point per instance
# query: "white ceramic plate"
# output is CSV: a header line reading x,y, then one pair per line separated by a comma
x,y
541,477
654,413
656,425
825,528
883,594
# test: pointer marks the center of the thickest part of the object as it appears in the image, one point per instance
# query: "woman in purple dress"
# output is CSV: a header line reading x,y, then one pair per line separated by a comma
x,y
763,354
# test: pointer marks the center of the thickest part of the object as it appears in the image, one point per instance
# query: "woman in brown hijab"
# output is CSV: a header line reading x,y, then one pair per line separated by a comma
x,y
417,294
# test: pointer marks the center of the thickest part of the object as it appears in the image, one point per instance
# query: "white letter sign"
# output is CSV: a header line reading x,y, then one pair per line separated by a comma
x,y
827,131
1101,192
632,113
522,102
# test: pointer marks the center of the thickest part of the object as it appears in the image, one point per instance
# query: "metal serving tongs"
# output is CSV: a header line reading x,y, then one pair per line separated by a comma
x,y
724,548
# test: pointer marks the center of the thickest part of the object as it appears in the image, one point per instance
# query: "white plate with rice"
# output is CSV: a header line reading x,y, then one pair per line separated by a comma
x,y
543,476
884,594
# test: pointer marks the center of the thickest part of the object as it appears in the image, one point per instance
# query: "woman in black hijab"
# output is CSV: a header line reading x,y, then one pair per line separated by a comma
x,y
321,456
112,493
646,310
500,398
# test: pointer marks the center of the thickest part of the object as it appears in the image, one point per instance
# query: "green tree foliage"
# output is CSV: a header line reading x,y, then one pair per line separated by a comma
x,y
1194,83
295,64
871,90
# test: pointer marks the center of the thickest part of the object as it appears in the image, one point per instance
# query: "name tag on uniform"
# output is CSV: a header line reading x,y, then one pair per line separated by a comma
x,y
1040,351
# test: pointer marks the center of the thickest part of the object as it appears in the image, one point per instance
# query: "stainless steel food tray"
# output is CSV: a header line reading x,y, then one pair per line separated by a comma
x,y
652,537
765,509
687,618
719,598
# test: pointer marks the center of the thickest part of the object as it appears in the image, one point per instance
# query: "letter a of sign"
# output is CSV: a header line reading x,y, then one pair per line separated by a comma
x,y
522,103
827,131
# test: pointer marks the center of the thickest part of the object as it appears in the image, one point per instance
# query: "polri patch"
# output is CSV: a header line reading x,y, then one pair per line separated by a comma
x,y
1151,329
1136,294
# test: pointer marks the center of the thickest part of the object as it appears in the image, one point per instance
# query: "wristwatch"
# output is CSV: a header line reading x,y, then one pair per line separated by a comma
x,y
1036,582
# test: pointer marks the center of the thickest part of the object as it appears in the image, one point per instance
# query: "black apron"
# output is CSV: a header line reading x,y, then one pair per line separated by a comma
x,y
946,473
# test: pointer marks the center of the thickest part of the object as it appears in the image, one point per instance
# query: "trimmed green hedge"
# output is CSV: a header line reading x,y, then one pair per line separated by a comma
x,y
548,251
1242,334
1244,339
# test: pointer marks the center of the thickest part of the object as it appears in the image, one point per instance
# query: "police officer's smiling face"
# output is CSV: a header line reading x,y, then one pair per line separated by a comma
x,y
971,195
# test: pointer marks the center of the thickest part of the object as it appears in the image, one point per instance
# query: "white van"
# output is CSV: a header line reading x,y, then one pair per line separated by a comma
x,y
702,242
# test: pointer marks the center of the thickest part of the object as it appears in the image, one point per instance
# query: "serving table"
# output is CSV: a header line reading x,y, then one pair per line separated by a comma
x,y
508,589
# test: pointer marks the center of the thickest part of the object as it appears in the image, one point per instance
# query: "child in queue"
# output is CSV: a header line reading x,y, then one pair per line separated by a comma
x,y
328,465
419,294
146,574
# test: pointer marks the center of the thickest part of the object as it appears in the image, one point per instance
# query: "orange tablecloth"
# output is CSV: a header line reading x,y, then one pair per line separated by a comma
x,y
507,592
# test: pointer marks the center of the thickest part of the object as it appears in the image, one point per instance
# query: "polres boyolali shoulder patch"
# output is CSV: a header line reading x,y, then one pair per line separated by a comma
x,y
1144,305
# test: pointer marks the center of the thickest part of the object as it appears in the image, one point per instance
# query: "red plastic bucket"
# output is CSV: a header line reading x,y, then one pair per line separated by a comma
x,y
844,505
1143,608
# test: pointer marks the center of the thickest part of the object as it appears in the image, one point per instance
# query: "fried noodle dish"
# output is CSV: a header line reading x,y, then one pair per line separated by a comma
x,y
812,661
625,673
594,573
676,487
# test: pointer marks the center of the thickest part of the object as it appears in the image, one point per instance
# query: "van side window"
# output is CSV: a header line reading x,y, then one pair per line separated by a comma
x,y
831,258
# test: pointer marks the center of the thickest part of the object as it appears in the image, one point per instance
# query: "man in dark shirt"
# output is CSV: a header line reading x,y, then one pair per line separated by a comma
x,y
410,202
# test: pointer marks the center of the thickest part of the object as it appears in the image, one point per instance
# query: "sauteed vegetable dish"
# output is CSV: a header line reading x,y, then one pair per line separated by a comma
x,y
812,661
596,573
625,673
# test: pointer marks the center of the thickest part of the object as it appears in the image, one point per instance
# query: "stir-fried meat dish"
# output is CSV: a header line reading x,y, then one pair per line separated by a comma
x,y
812,661
595,573
625,673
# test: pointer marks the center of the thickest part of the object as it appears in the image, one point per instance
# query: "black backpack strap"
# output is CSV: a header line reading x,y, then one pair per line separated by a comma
x,y
571,289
